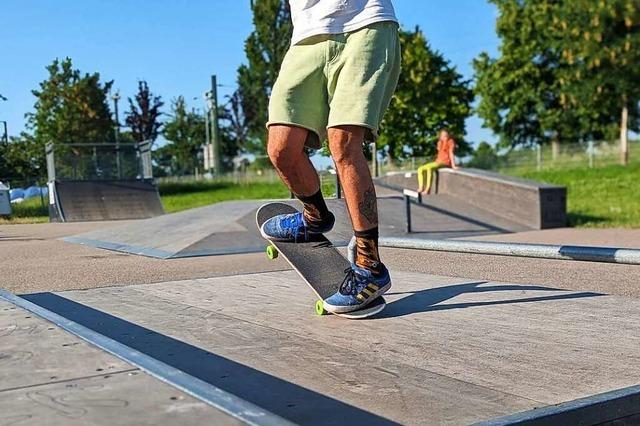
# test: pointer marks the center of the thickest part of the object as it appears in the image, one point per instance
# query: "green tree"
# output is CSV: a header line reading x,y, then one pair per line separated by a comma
x,y
185,132
233,125
22,159
484,157
265,49
431,95
600,44
520,100
144,114
71,107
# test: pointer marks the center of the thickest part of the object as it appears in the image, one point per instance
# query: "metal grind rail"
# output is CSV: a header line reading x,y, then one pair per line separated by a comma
x,y
542,251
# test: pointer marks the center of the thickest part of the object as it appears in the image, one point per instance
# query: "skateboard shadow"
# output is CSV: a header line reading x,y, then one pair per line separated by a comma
x,y
430,300
278,396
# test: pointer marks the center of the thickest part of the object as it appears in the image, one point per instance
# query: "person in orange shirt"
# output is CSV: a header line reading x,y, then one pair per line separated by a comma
x,y
445,158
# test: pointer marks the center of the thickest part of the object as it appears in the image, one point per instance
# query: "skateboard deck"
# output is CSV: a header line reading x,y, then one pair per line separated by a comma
x,y
318,262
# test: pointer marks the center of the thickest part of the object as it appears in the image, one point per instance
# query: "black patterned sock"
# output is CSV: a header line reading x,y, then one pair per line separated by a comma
x,y
367,254
315,211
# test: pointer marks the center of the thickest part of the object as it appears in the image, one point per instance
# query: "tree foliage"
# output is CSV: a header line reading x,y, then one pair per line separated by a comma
x,y
484,157
600,45
22,158
519,90
561,69
185,133
234,127
265,49
143,117
71,107
431,95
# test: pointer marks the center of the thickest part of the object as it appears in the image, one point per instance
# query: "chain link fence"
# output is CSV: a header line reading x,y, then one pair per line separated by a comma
x,y
524,159
574,155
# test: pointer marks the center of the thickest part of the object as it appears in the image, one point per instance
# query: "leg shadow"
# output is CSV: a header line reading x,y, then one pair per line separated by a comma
x,y
428,300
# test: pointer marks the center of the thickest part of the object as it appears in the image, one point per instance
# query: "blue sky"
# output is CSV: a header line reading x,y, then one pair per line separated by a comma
x,y
175,45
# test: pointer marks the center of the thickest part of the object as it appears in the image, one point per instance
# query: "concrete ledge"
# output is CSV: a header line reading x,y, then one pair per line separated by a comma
x,y
529,203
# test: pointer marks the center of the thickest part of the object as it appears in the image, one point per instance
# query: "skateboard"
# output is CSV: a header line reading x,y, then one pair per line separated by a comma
x,y
318,263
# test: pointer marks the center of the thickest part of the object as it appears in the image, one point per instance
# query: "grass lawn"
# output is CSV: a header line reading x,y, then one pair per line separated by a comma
x,y
28,211
603,197
182,196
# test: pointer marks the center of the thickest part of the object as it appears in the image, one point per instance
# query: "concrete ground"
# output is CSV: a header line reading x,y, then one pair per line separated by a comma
x,y
229,227
34,259
464,338
48,376
612,237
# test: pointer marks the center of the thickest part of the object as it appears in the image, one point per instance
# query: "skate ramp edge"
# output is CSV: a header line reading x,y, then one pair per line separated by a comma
x,y
87,201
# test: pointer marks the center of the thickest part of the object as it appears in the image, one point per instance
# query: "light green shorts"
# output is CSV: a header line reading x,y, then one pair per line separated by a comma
x,y
338,79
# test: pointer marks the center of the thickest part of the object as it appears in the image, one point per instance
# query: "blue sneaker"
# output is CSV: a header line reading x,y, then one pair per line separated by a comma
x,y
292,227
359,288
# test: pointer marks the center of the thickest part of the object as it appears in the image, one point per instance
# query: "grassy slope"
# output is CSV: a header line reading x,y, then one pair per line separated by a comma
x,y
182,196
601,197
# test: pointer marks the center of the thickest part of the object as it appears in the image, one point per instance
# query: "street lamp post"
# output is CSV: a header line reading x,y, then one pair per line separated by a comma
x,y
5,134
207,127
212,115
116,98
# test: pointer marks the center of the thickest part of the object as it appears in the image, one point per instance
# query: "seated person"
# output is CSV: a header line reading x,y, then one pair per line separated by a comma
x,y
445,158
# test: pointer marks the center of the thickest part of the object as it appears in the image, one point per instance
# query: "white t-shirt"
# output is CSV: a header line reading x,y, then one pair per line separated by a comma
x,y
314,17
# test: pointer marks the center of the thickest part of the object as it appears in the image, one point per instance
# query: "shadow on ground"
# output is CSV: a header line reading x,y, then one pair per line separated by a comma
x,y
429,300
281,397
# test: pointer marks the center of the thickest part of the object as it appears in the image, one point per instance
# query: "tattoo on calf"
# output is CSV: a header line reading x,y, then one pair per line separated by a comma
x,y
369,206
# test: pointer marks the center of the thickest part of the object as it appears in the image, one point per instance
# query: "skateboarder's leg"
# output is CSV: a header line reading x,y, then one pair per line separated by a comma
x,y
345,143
362,83
286,151
368,278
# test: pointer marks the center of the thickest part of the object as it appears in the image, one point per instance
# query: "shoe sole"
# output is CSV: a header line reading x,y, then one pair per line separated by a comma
x,y
346,309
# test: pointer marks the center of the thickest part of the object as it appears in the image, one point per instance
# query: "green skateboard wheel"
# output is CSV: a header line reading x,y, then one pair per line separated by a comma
x,y
320,308
272,252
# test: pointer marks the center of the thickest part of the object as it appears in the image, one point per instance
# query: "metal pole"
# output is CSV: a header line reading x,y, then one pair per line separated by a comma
x,y
543,251
624,133
407,202
215,134
5,136
374,155
116,98
539,157
591,153
207,150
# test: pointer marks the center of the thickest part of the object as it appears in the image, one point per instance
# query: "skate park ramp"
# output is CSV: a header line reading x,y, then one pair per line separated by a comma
x,y
448,349
229,227
86,201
